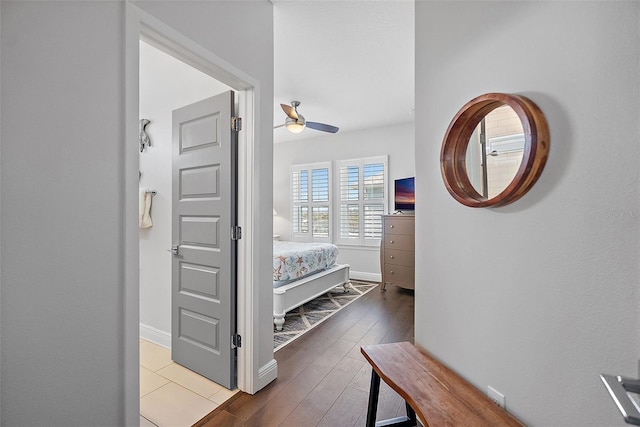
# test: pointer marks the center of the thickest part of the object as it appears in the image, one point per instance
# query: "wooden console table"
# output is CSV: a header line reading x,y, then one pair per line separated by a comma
x,y
433,393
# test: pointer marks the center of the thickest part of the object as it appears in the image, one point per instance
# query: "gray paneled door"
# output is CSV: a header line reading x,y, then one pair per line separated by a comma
x,y
203,306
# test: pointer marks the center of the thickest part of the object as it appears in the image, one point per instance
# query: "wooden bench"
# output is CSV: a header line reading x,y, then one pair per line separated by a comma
x,y
433,393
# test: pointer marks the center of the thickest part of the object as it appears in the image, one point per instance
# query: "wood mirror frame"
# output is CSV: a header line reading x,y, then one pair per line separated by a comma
x,y
454,149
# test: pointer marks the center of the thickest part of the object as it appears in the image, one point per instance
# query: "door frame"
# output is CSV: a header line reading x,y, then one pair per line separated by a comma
x,y
141,25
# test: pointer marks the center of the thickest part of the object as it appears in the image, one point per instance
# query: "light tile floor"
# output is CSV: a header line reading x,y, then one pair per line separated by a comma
x,y
172,395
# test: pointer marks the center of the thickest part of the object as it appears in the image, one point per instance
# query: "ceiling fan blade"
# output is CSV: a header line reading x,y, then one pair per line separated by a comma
x,y
289,111
322,127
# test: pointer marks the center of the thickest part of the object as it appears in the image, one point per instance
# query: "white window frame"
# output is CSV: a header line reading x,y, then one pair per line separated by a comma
x,y
361,239
310,203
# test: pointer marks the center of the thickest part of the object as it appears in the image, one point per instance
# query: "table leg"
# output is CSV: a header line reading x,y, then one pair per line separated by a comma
x,y
374,390
411,414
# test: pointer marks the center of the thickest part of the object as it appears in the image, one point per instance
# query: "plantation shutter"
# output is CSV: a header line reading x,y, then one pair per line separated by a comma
x,y
373,200
311,202
300,197
363,200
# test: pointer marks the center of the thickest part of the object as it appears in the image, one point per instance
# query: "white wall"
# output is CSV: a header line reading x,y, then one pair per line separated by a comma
x,y
396,141
557,302
63,157
165,84
61,305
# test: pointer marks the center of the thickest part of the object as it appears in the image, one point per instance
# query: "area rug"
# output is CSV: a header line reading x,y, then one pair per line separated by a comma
x,y
302,319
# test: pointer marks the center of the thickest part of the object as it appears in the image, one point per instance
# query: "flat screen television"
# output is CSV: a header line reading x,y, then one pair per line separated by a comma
x,y
405,194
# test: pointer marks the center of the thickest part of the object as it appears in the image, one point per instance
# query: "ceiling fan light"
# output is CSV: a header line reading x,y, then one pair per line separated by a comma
x,y
294,126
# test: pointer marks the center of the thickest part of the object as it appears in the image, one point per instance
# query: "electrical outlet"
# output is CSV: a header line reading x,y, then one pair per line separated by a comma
x,y
496,396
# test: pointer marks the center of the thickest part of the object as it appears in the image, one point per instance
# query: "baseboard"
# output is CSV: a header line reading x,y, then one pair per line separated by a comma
x,y
155,335
360,275
267,374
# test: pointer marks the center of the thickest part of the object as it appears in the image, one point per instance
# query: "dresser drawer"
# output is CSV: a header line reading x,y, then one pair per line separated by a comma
x,y
399,242
399,274
396,257
399,225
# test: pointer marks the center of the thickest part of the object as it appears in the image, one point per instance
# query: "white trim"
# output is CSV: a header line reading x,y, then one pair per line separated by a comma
x,y
267,373
362,275
140,24
247,304
163,37
131,252
155,335
370,248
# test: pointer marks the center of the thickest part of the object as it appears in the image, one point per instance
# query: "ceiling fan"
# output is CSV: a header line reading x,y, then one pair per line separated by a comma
x,y
295,122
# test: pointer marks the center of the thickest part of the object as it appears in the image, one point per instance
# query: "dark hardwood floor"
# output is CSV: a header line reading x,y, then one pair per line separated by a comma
x,y
323,379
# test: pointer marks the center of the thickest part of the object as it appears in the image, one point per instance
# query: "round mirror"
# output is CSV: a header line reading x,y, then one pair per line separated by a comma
x,y
494,150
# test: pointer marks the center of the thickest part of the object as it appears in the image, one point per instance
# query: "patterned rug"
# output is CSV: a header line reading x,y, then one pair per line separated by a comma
x,y
307,316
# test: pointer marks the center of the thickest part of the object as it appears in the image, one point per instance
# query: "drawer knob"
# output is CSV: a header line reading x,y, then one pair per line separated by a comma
x,y
391,241
391,256
391,272
391,226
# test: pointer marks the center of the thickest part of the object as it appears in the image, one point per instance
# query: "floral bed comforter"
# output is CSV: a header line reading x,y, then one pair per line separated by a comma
x,y
293,260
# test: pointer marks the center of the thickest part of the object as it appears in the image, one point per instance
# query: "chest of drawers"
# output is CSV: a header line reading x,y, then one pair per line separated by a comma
x,y
397,251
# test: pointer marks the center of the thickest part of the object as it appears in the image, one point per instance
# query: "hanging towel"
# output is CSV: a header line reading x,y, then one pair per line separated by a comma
x,y
144,218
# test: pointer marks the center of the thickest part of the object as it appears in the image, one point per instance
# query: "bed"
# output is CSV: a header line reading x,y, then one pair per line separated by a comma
x,y
301,272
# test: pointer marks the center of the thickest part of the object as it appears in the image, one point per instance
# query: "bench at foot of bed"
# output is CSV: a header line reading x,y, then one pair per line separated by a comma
x,y
294,294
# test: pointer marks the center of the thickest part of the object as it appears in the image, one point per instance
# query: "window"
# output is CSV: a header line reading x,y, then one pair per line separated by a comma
x,y
360,201
363,199
311,202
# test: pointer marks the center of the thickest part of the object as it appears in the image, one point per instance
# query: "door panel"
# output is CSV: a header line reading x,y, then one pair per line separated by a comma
x,y
204,210
200,182
200,231
200,330
199,280
200,132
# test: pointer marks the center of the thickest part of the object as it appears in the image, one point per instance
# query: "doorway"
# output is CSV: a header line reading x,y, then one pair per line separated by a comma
x,y
166,84
255,370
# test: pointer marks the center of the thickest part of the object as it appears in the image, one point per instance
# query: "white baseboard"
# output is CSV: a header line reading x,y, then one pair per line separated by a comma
x,y
266,374
361,275
155,335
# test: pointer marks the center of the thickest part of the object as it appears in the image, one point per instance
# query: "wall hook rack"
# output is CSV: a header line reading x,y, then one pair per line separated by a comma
x,y
144,140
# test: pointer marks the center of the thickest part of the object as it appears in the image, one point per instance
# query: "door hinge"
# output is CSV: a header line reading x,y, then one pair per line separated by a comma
x,y
236,232
236,124
236,341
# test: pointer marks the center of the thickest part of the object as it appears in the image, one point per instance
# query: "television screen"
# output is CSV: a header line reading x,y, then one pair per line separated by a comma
x,y
405,194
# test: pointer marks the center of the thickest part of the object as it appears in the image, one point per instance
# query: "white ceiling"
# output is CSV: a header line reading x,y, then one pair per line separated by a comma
x,y
349,63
